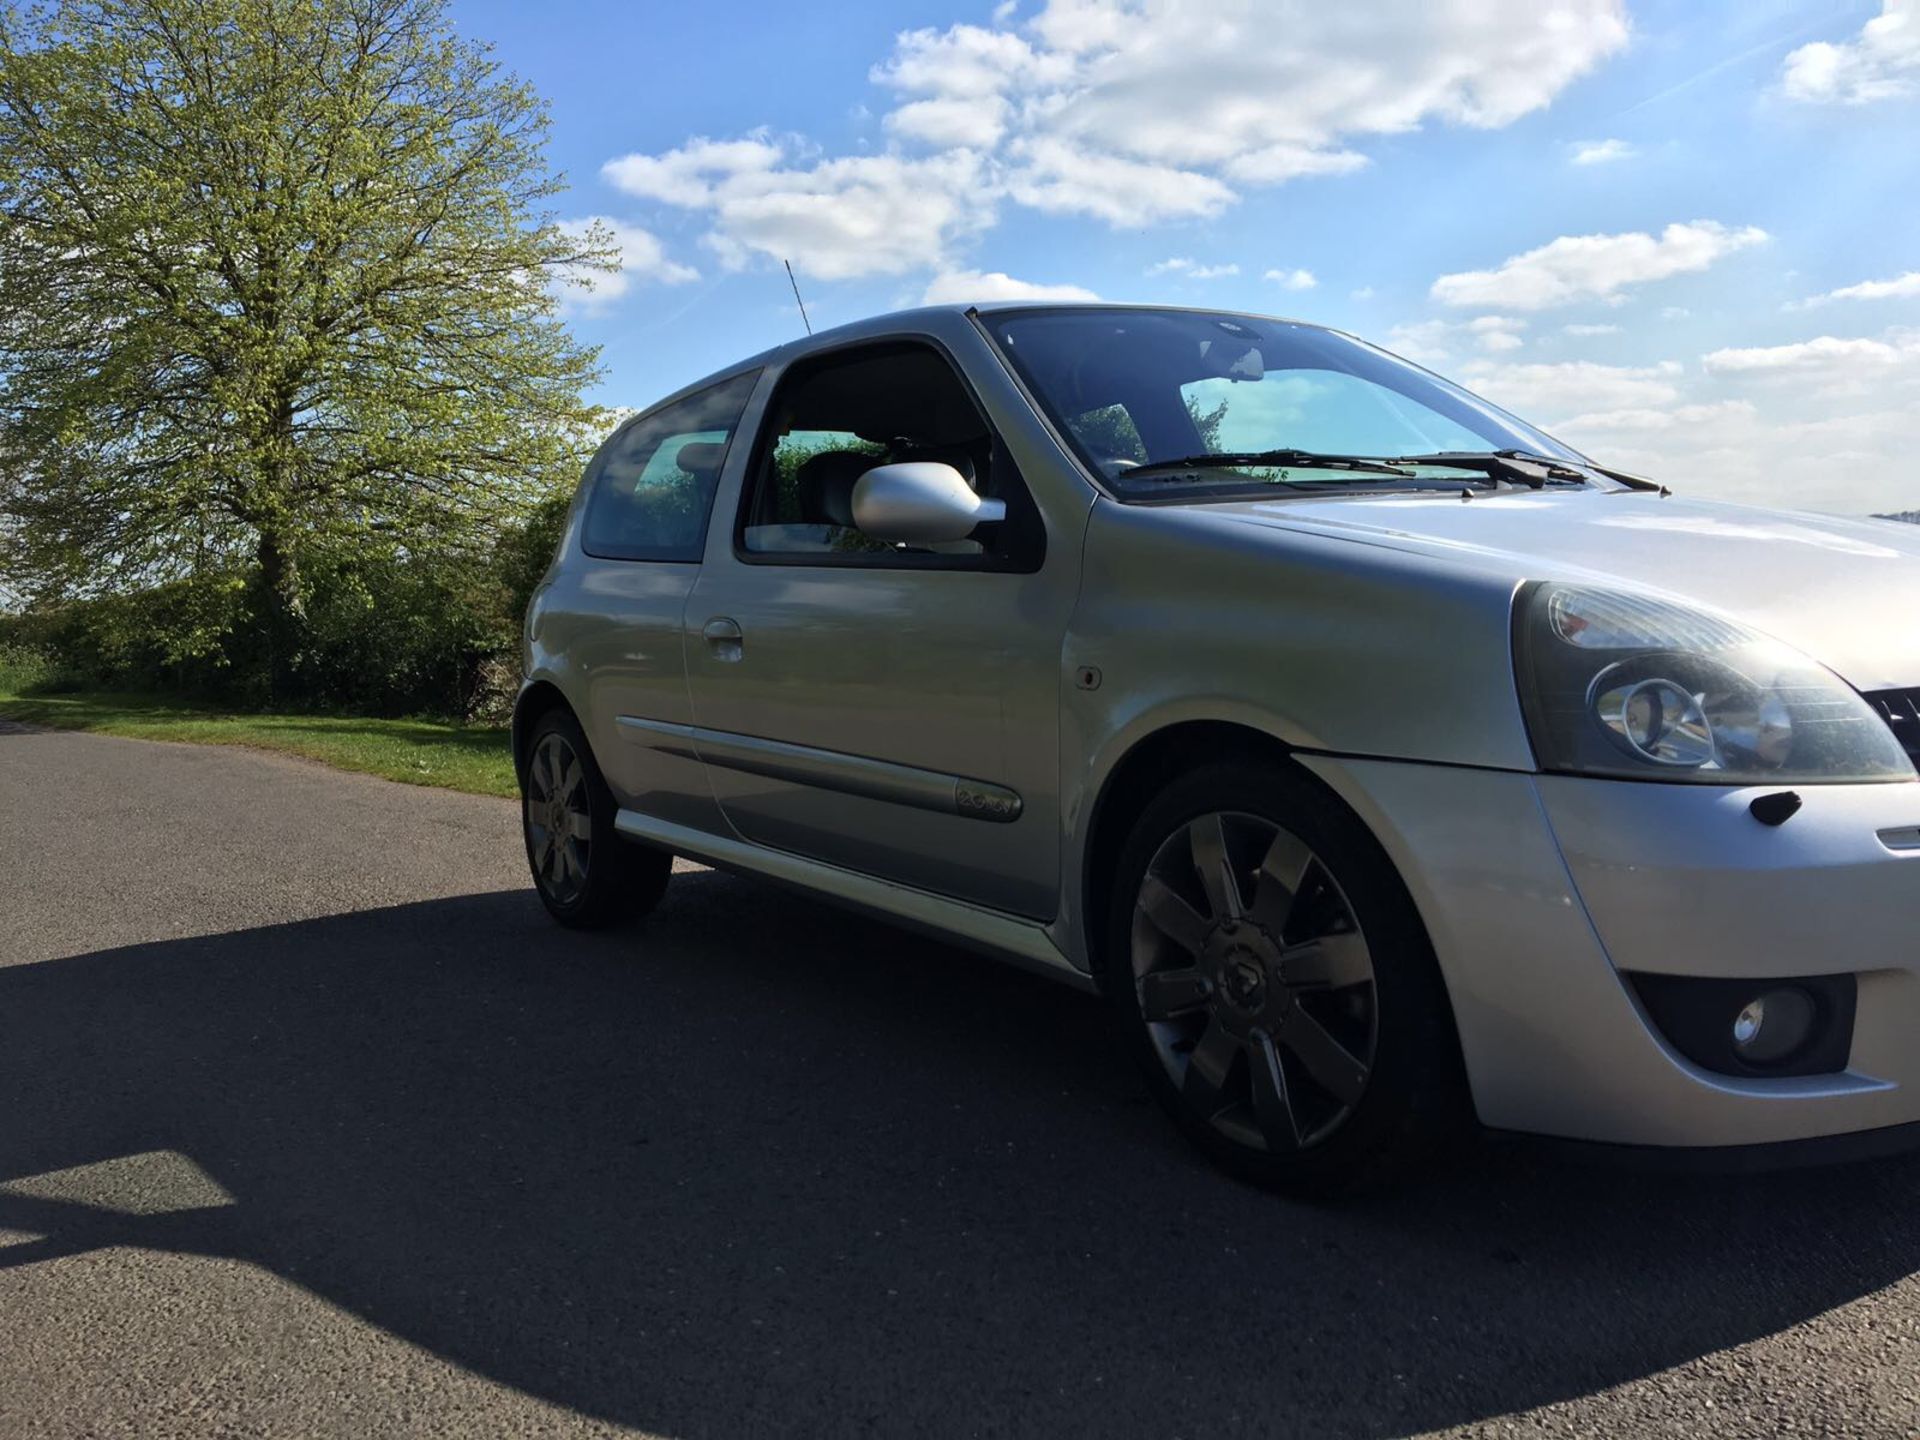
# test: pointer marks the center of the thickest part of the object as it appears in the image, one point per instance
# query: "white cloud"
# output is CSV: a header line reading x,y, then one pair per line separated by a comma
x,y
1848,458
1365,292
1292,279
1427,342
1129,111
687,176
1883,63
957,286
1438,342
966,60
1594,267
1062,178
1551,393
1582,331
1901,287
1668,417
948,121
1601,152
834,219
1190,269
1275,164
1674,312
641,257
1277,88
962,76
1826,355
1825,424
1080,25
1497,332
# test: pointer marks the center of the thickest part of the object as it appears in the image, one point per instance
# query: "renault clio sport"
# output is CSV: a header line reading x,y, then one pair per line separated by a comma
x,y
1389,766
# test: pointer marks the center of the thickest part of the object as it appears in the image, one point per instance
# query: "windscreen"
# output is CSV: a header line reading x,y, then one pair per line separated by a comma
x,y
1139,388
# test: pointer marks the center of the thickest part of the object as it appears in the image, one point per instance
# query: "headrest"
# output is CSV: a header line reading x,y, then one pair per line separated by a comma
x,y
701,457
825,485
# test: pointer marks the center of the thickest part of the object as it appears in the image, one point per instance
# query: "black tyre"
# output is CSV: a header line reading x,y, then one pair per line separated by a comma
x,y
588,875
1267,965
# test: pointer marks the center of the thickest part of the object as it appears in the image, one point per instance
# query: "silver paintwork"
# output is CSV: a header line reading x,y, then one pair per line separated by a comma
x,y
1005,937
828,770
1554,1042
1372,635
952,672
920,502
1841,591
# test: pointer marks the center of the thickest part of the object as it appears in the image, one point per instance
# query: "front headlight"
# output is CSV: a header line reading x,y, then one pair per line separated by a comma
x,y
1632,686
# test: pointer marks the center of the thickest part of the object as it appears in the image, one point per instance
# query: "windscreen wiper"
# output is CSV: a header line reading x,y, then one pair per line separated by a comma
x,y
1521,466
1298,459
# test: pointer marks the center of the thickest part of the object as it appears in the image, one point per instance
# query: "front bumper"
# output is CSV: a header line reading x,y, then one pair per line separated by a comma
x,y
1538,891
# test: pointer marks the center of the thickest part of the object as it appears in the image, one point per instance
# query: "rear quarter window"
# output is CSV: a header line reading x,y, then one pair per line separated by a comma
x,y
653,483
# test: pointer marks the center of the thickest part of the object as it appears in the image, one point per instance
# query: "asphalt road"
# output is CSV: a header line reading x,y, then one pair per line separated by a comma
x,y
312,1125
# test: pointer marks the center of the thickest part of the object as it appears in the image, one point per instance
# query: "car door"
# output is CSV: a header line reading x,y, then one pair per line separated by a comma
x,y
607,628
889,709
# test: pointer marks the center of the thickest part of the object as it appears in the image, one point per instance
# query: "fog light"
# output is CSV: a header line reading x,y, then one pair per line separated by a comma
x,y
1772,1026
1775,1025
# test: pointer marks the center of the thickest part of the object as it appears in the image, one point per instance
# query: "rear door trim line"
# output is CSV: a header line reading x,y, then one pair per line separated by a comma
x,y
829,770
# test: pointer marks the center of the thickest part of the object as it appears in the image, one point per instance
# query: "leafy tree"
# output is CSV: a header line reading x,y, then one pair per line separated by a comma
x,y
276,290
521,557
1207,422
1109,430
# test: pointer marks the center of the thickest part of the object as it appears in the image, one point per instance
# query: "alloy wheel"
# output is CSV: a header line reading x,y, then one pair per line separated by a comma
x,y
559,819
1255,982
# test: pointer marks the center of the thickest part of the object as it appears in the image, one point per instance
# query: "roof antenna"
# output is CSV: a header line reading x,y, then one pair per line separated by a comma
x,y
796,296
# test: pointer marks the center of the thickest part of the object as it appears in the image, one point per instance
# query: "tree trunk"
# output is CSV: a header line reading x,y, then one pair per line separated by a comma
x,y
284,609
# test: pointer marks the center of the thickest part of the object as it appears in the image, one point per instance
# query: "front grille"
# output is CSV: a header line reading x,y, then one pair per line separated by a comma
x,y
1901,710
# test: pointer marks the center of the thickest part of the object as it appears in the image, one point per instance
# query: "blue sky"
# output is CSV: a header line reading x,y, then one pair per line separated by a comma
x,y
1685,237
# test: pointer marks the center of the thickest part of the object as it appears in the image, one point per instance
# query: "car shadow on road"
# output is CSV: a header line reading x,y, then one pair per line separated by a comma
x,y
761,1167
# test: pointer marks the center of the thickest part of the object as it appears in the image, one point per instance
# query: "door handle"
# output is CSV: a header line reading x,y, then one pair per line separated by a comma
x,y
723,638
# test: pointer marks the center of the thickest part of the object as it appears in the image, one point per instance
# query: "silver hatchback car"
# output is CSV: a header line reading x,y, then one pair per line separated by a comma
x,y
1388,765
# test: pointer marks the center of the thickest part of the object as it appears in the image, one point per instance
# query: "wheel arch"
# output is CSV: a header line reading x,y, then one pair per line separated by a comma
x,y
536,698
1156,759
1147,766
1163,755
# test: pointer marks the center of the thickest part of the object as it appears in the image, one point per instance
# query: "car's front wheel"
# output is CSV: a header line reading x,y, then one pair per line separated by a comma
x,y
587,874
1270,970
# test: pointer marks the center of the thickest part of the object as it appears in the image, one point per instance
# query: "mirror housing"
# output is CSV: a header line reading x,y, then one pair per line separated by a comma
x,y
920,502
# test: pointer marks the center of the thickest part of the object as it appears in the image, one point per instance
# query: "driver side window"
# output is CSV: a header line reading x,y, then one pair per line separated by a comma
x,y
801,506
833,420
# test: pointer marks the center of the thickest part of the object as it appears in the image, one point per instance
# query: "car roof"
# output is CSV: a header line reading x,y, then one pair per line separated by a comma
x,y
891,322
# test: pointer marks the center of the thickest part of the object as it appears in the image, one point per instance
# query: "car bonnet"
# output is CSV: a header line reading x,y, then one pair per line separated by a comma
x,y
1844,592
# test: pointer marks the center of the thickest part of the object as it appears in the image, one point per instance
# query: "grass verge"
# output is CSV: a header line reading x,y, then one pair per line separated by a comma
x,y
474,758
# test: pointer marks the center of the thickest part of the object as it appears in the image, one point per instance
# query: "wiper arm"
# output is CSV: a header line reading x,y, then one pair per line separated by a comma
x,y
1522,466
1298,459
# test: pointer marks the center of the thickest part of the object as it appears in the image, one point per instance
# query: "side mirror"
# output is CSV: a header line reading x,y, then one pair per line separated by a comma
x,y
920,502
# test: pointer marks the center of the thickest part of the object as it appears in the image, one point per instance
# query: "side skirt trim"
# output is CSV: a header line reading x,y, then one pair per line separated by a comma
x,y
1005,937
828,770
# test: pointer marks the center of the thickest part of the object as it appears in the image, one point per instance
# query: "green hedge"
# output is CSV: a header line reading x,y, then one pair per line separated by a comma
x,y
381,634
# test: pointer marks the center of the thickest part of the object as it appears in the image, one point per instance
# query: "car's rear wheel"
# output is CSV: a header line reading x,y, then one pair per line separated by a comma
x,y
587,874
1268,967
